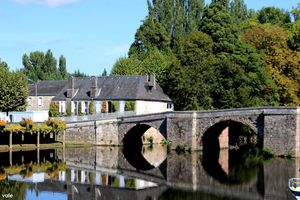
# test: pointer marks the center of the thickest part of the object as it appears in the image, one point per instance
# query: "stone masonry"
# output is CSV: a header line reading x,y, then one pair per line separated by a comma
x,y
277,128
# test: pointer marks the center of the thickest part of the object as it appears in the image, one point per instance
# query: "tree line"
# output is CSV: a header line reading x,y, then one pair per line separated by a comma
x,y
220,55
37,66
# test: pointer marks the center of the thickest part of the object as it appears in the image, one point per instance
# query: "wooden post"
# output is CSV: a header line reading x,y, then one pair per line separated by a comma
x,y
10,157
38,140
38,155
10,140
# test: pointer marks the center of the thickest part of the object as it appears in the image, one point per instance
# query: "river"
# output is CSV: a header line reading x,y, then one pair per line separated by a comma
x,y
154,173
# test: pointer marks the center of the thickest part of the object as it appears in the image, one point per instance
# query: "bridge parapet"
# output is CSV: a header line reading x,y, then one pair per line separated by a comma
x,y
277,127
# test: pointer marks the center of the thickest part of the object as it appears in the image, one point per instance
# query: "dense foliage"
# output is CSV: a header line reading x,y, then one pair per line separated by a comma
x,y
43,66
220,55
13,89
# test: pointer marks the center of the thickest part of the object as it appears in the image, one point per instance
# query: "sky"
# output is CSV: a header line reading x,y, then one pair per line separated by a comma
x,y
91,34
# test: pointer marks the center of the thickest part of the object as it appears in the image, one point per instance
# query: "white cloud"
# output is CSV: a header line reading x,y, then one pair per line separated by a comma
x,y
47,2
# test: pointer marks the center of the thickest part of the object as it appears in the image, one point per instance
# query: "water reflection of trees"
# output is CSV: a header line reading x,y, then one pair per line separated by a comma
x,y
16,189
243,157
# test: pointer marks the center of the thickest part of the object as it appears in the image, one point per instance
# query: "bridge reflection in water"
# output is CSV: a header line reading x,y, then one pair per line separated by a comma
x,y
107,173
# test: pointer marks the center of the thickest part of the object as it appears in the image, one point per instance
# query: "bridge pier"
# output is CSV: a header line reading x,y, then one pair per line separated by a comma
x,y
277,128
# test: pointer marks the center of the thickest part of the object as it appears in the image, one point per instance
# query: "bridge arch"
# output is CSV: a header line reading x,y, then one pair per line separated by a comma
x,y
225,147
134,151
228,133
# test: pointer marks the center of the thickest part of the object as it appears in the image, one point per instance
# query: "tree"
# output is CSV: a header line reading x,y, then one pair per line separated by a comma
x,y
281,62
104,73
238,10
62,67
40,66
191,78
241,80
294,36
13,90
78,73
274,16
154,62
150,35
296,12
3,65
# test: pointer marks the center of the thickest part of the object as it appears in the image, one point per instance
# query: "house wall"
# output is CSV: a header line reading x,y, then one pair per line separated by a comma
x,y
15,117
145,107
33,103
141,107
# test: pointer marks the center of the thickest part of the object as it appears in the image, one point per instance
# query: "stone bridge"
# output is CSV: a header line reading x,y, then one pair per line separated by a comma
x,y
182,172
275,127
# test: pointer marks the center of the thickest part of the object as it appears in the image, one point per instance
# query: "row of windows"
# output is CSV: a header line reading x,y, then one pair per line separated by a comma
x,y
30,101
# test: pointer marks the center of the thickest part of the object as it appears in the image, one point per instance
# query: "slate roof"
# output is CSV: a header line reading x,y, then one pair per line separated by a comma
x,y
46,88
115,88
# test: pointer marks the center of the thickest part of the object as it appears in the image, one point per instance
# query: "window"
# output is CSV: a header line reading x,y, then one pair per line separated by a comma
x,y
169,106
40,101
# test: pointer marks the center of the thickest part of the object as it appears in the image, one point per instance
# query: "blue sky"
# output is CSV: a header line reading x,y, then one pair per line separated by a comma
x,y
91,34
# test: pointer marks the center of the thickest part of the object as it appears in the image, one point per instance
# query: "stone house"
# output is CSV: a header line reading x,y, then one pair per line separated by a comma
x,y
41,94
138,93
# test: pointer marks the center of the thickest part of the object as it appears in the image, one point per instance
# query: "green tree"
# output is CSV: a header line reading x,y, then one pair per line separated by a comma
x,y
241,80
154,62
3,64
274,15
150,35
104,73
191,78
294,36
239,11
296,12
62,67
40,66
78,73
13,90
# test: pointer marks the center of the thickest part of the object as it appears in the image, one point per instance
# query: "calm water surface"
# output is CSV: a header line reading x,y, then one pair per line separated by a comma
x,y
148,174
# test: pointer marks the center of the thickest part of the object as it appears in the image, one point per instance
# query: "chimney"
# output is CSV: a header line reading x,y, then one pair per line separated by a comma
x,y
153,80
150,83
71,89
94,90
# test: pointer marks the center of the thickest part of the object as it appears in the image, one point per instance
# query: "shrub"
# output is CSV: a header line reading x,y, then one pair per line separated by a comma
x,y
27,124
56,124
14,128
115,106
2,124
180,148
92,108
267,153
167,143
129,106
150,139
42,128
54,109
